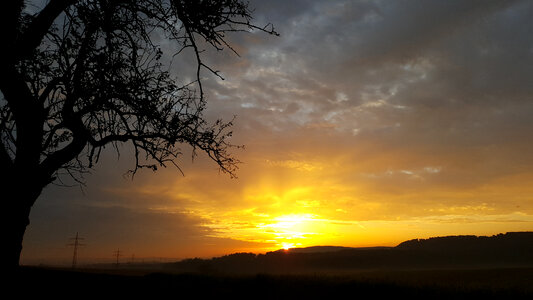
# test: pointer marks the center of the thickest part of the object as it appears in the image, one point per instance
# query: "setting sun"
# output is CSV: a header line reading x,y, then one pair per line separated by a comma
x,y
287,246
291,230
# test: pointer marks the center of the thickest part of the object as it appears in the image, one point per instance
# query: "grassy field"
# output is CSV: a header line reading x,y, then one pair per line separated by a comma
x,y
512,283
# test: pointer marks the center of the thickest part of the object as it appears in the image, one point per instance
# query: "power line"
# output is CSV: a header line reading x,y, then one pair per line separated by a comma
x,y
76,243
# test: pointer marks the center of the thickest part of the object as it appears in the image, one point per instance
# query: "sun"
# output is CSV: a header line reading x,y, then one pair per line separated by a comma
x,y
287,246
291,230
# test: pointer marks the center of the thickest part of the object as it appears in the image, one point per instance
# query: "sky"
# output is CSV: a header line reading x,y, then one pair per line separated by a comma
x,y
365,123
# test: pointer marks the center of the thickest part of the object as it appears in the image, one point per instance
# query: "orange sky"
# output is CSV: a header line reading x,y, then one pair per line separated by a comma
x,y
364,124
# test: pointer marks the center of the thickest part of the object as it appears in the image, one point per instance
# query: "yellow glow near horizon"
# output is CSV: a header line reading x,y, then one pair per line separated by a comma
x,y
287,246
291,230
279,206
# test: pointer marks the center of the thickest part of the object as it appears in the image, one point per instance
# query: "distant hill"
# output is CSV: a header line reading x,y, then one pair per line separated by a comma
x,y
513,249
515,242
315,249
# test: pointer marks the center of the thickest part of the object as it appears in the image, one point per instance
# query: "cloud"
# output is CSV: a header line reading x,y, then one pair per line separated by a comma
x,y
428,78
143,233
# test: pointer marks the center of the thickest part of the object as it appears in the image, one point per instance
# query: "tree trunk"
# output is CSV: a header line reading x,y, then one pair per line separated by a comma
x,y
19,199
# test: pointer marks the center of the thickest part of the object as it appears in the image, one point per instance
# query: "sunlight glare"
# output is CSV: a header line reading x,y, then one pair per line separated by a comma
x,y
287,246
291,230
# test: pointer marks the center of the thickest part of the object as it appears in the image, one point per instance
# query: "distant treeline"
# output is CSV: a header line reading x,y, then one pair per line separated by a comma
x,y
514,249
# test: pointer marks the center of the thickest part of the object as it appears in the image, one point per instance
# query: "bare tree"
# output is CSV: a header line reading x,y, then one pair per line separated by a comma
x,y
79,75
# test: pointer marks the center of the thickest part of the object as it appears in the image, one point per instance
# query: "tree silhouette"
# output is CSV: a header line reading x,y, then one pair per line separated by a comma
x,y
79,75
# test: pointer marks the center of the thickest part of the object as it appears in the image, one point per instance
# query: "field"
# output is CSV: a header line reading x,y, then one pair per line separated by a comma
x,y
505,283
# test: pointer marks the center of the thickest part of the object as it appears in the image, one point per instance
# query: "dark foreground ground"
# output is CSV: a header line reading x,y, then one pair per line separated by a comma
x,y
38,283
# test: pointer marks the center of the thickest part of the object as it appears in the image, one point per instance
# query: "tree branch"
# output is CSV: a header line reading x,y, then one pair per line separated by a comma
x,y
61,157
5,160
34,34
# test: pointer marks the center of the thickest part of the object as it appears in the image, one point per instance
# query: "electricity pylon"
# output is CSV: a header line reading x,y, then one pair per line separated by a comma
x,y
117,254
76,243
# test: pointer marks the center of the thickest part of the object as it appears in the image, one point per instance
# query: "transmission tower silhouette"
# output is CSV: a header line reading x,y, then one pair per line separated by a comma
x,y
117,254
76,243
